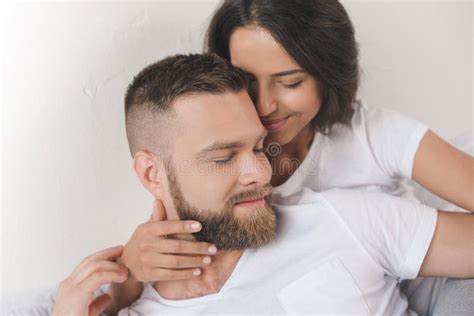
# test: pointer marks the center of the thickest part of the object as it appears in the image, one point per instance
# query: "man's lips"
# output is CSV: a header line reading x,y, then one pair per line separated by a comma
x,y
251,202
274,124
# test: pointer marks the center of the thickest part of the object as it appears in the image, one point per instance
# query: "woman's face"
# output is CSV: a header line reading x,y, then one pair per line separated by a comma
x,y
286,97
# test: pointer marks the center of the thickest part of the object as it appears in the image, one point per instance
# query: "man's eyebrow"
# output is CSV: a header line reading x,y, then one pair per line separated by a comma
x,y
227,145
287,73
219,146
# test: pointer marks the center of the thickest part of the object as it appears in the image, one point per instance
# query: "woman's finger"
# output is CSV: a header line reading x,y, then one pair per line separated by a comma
x,y
97,279
175,246
98,266
171,227
106,254
159,212
159,260
160,274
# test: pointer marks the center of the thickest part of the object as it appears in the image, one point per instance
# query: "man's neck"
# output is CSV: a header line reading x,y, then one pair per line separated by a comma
x,y
211,280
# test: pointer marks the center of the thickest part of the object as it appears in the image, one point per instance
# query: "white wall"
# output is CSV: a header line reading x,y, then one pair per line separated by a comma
x,y
68,185
416,58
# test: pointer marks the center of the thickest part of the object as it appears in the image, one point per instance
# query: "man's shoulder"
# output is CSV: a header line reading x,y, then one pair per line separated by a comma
x,y
304,210
336,197
304,196
368,196
371,211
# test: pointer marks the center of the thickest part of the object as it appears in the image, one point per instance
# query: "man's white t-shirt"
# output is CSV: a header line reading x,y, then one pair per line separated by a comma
x,y
375,151
339,251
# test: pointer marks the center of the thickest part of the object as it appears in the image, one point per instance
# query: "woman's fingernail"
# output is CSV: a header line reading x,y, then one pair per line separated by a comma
x,y
195,225
206,260
212,249
197,272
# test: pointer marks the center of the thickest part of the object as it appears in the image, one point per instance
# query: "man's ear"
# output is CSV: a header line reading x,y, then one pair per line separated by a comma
x,y
148,170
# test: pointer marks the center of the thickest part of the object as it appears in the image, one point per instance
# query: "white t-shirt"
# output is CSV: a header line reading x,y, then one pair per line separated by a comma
x,y
375,151
339,251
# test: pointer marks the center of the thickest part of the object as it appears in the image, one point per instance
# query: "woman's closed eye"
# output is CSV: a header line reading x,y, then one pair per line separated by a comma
x,y
292,85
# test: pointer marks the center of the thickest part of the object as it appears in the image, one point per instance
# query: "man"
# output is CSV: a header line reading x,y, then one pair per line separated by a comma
x,y
197,144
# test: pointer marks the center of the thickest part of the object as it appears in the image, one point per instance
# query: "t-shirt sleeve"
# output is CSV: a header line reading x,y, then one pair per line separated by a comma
x,y
393,139
395,232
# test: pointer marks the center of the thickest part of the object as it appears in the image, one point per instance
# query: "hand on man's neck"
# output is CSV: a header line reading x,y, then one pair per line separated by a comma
x,y
211,280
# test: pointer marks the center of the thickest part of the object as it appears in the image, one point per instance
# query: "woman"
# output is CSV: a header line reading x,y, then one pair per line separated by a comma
x,y
303,58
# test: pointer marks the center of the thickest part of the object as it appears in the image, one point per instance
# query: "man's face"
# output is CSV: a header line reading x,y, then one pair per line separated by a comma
x,y
218,173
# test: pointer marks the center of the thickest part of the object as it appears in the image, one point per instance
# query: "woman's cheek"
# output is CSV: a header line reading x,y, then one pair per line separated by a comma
x,y
299,100
309,102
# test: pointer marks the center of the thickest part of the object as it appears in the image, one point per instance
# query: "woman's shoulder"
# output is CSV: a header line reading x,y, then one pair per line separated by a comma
x,y
369,114
368,119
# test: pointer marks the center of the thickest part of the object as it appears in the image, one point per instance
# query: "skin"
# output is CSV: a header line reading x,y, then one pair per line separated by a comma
x,y
451,250
282,89
454,183
239,164
76,292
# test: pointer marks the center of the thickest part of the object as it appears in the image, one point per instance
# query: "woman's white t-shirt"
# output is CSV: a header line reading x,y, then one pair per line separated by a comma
x,y
376,151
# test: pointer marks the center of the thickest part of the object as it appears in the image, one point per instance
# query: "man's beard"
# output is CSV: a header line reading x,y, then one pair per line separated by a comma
x,y
221,227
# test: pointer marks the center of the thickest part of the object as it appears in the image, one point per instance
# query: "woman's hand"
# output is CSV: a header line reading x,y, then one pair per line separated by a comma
x,y
150,256
76,293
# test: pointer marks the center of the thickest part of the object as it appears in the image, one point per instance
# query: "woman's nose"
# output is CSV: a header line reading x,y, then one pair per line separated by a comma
x,y
265,103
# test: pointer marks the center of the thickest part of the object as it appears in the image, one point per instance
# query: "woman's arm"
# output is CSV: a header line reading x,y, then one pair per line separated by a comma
x,y
451,252
123,294
445,171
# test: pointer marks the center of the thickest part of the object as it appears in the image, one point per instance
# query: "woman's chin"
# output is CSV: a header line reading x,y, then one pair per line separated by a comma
x,y
277,138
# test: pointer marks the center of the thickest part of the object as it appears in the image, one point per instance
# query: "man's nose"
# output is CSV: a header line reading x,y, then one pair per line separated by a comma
x,y
255,171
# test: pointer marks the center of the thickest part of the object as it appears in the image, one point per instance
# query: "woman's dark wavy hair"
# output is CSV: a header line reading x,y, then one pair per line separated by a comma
x,y
318,34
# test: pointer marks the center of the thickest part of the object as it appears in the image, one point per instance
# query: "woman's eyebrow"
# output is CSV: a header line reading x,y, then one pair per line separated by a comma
x,y
287,72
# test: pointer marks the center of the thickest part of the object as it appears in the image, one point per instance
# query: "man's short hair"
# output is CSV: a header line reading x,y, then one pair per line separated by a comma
x,y
149,97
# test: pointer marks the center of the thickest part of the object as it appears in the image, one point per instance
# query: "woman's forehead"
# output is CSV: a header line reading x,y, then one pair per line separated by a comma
x,y
256,49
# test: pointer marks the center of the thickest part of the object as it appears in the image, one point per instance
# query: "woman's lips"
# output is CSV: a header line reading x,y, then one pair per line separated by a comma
x,y
272,125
